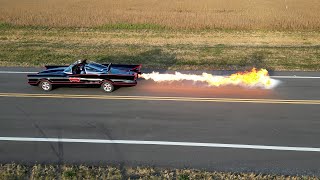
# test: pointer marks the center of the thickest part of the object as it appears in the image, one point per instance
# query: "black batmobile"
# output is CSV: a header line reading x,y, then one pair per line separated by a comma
x,y
107,76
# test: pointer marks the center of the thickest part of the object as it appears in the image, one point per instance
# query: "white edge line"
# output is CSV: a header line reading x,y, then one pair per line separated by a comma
x,y
295,77
163,143
276,77
16,72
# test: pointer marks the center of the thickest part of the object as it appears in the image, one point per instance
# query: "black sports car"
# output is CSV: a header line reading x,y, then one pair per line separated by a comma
x,y
107,76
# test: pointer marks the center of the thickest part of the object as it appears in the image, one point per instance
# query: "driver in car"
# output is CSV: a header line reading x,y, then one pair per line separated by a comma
x,y
79,68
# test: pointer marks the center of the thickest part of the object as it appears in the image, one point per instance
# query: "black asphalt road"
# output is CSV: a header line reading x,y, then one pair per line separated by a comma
x,y
208,122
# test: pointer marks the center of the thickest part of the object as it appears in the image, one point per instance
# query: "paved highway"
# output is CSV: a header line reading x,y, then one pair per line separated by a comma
x,y
164,124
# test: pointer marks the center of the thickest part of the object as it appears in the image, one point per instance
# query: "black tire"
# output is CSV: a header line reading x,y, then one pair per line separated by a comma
x,y
45,85
107,87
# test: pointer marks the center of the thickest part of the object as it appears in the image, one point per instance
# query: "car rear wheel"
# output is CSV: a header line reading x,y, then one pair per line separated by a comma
x,y
107,87
45,85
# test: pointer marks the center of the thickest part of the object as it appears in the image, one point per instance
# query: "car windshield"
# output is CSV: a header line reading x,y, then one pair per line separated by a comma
x,y
68,70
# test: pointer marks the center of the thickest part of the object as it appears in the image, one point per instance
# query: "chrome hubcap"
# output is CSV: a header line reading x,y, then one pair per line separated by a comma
x,y
107,87
45,86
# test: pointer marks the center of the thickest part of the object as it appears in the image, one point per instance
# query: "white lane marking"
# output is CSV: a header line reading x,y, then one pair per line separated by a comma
x,y
295,77
276,77
163,143
16,72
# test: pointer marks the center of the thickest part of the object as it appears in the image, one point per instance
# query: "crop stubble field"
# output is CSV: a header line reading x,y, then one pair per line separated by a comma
x,y
180,34
200,14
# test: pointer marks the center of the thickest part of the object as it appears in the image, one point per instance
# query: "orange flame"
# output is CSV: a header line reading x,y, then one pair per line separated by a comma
x,y
251,78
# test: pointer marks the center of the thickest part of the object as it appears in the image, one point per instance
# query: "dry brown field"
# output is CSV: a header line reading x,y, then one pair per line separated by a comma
x,y
176,14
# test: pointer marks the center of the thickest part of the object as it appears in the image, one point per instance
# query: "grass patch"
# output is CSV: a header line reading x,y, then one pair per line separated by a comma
x,y
70,172
131,26
161,50
13,171
39,171
4,26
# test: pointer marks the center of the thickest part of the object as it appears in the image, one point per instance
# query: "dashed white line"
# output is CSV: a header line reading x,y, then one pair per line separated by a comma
x,y
162,143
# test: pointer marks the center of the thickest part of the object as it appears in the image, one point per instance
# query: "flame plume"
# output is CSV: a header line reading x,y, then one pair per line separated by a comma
x,y
253,78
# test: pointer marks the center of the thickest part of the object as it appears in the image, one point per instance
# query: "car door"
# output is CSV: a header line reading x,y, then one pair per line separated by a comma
x,y
74,78
92,75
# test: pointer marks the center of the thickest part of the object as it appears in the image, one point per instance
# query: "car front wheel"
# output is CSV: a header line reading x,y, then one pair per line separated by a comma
x,y
107,87
45,85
